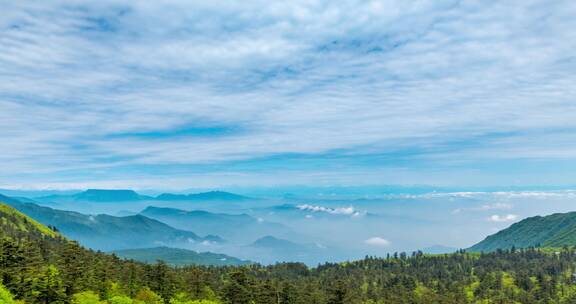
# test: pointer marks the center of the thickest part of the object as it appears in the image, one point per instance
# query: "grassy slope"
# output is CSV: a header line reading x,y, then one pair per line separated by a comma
x,y
16,220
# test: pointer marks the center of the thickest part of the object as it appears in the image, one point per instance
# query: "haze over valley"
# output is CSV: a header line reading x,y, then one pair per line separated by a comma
x,y
312,228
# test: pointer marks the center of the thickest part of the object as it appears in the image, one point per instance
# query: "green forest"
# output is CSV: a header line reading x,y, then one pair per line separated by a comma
x,y
38,265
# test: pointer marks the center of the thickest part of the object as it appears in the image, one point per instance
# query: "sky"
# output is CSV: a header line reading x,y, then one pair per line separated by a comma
x,y
184,94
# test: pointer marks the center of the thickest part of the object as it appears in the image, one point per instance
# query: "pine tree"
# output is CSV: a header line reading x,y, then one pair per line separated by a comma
x,y
48,288
236,290
338,293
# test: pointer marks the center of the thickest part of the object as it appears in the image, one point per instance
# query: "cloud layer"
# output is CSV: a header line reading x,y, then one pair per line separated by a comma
x,y
117,90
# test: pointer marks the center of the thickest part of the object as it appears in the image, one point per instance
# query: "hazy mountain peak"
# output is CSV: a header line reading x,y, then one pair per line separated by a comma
x,y
104,195
210,195
273,242
162,210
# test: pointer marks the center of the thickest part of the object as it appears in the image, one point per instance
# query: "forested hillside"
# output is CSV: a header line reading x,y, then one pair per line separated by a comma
x,y
106,232
40,266
554,230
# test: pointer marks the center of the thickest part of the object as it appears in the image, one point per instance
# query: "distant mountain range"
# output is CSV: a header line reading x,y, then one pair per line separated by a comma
x,y
554,230
98,195
179,257
204,196
241,227
103,195
106,232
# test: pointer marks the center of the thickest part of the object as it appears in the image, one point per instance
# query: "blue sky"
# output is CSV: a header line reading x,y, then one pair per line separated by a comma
x,y
183,94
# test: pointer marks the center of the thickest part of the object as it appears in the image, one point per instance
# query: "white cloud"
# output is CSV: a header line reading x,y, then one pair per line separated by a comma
x,y
377,241
496,206
503,218
297,77
335,211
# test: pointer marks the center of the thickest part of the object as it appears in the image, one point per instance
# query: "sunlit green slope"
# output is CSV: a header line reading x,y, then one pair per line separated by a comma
x,y
554,230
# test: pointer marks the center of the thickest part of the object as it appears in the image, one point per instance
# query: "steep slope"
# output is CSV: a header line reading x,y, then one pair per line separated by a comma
x,y
38,265
105,232
546,231
179,257
14,223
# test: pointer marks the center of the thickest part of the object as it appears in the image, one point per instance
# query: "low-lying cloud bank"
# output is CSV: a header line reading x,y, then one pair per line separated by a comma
x,y
377,241
335,211
503,218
